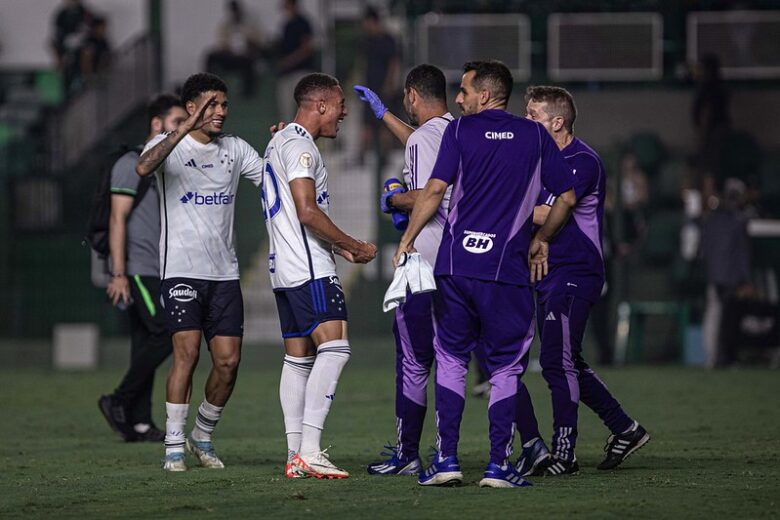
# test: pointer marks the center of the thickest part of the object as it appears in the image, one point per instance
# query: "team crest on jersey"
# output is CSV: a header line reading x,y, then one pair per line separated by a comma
x,y
306,160
181,292
478,242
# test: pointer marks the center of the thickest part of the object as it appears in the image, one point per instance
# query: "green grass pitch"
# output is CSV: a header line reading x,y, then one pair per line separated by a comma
x,y
715,453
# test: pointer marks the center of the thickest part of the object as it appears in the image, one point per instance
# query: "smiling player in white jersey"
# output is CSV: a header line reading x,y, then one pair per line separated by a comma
x,y
309,298
425,102
197,169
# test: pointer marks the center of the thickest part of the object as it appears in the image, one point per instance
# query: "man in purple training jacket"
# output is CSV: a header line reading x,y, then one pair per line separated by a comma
x,y
564,300
496,164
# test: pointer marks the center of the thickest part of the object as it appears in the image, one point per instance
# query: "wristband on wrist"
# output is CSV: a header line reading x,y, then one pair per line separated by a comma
x,y
118,275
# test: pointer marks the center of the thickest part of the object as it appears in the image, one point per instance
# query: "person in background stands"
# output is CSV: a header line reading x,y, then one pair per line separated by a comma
x,y
296,57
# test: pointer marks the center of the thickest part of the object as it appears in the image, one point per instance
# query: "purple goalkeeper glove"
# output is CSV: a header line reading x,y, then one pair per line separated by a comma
x,y
370,97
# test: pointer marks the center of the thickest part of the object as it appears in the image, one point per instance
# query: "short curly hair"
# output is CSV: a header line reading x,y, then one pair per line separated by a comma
x,y
199,83
311,83
429,81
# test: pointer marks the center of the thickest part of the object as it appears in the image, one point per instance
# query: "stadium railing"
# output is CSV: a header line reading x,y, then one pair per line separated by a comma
x,y
80,125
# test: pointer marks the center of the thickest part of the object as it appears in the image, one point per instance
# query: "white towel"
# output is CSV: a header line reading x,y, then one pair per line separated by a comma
x,y
396,293
413,273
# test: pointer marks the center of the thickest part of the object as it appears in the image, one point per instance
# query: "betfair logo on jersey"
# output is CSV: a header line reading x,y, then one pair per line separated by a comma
x,y
499,135
478,242
181,292
215,199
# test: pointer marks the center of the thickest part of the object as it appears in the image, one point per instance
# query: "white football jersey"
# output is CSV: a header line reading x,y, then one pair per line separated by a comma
x,y
422,148
197,184
296,255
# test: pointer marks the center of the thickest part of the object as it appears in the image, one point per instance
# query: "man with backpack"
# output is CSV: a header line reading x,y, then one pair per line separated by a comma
x,y
132,247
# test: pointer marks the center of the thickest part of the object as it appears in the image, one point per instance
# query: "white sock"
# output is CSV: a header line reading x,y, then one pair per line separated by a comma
x,y
175,421
141,427
206,421
321,390
633,427
292,395
312,436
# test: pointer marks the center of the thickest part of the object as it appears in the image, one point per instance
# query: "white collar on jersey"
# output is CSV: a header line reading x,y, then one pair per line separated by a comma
x,y
300,130
448,117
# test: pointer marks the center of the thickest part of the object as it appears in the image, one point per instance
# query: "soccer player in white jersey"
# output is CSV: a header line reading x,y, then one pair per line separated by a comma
x,y
309,298
197,169
425,101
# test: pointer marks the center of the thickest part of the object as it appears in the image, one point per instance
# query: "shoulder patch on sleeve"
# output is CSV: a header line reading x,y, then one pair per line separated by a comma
x,y
306,160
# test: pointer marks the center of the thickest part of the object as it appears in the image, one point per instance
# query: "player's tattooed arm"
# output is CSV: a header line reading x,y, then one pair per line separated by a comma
x,y
154,157
312,217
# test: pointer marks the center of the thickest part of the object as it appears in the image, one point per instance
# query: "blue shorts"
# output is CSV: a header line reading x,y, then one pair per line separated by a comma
x,y
304,307
214,307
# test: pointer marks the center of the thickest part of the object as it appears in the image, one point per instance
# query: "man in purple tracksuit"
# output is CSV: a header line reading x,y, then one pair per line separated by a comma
x,y
425,101
497,164
564,300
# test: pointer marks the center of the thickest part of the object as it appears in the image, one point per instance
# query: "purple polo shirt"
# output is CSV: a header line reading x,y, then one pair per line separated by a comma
x,y
497,164
576,260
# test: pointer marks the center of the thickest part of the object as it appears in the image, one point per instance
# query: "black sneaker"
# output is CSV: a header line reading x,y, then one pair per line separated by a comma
x,y
153,434
620,446
556,466
116,416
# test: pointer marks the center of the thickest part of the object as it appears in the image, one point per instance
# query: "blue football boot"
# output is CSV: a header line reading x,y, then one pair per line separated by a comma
x,y
442,472
394,465
533,460
505,476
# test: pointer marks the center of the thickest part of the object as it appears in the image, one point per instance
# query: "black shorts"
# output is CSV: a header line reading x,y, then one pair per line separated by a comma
x,y
304,307
214,307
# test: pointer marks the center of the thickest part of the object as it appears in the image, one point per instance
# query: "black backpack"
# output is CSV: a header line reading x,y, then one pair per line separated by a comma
x,y
100,214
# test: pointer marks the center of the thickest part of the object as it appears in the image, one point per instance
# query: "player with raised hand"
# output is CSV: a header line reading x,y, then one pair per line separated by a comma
x,y
302,242
425,102
564,299
198,169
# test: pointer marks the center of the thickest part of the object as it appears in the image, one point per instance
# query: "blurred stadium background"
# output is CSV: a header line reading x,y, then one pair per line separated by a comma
x,y
678,146
630,65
